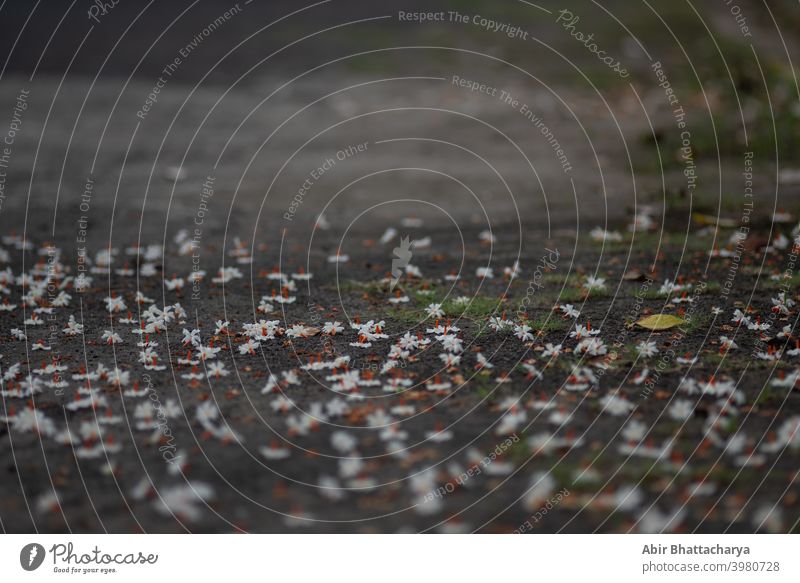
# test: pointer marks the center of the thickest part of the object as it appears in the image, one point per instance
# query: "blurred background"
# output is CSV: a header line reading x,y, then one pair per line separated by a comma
x,y
268,92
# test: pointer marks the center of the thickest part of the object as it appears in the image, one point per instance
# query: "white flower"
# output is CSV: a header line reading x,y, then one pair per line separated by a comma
x,y
119,378
483,362
541,488
61,300
641,222
552,350
523,332
740,318
757,325
280,404
647,349
191,337
196,276
487,237
450,359
332,328
115,304
388,235
33,420
600,234
485,272
217,369
343,442
655,521
789,381
671,286
451,343
397,353
272,384
337,407
769,518
591,347
73,327
788,436
34,320
498,324
569,311
338,258
684,298
284,298
48,502
275,452
438,436
770,356
82,282
634,431
781,242
595,283
580,380
184,500
413,271
533,372
207,352
438,385
111,337
408,342
300,331
249,347
434,310
176,283
583,331
512,272
226,274
264,306
681,410
616,405
12,372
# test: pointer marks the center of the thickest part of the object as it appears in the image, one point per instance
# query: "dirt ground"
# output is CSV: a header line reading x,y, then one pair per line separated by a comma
x,y
314,146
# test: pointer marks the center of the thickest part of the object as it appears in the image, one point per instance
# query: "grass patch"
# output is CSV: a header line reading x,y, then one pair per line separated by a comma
x,y
353,286
696,322
792,283
766,395
483,387
408,316
572,295
550,323
520,452
478,307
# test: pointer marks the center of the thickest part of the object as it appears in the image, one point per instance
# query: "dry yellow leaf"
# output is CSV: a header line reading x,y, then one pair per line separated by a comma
x,y
714,220
660,322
